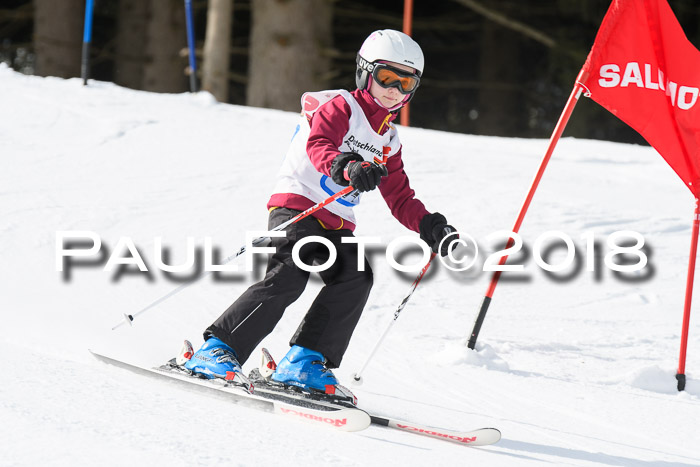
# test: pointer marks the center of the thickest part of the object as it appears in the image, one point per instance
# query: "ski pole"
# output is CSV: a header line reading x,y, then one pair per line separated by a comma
x,y
357,377
191,45
128,319
87,39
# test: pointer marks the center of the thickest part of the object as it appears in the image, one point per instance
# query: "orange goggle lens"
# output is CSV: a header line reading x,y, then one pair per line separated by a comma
x,y
392,78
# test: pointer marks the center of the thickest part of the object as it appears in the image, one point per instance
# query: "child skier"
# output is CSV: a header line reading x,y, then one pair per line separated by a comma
x,y
341,140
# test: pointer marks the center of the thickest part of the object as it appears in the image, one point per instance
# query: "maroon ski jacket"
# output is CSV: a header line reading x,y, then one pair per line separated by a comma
x,y
329,125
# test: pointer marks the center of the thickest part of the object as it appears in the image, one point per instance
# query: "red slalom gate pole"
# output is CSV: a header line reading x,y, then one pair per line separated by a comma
x,y
554,139
407,29
680,376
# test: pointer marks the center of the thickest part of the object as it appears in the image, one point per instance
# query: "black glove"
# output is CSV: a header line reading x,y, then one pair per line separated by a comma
x,y
349,168
433,228
365,175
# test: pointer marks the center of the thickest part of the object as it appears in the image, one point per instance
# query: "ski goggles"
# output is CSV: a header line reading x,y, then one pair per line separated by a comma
x,y
389,77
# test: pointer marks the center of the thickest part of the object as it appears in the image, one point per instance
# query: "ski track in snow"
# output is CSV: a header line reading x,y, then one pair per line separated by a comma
x,y
575,370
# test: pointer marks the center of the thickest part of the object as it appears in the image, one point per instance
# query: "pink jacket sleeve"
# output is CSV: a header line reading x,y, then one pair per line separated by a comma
x,y
328,126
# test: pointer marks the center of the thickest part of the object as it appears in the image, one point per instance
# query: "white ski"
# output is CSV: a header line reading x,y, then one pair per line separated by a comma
x,y
336,418
321,413
478,437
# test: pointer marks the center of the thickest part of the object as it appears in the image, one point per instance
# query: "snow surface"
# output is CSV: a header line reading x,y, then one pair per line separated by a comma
x,y
576,371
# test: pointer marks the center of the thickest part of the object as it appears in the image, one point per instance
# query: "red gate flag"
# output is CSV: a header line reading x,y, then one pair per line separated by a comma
x,y
643,69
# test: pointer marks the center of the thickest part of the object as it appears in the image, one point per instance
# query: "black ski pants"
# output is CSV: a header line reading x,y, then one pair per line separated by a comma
x,y
331,319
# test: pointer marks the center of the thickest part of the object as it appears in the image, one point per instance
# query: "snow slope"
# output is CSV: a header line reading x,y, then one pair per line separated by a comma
x,y
574,371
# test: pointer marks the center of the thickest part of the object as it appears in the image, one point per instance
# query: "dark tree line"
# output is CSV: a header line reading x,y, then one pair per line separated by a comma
x,y
497,67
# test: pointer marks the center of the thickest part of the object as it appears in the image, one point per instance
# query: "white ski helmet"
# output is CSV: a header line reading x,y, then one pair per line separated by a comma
x,y
389,45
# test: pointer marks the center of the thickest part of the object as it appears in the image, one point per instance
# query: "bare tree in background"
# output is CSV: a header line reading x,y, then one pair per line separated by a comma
x,y
131,37
287,51
215,67
58,28
164,70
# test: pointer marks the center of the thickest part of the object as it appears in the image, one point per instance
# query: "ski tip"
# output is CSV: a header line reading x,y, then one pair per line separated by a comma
x,y
487,436
478,437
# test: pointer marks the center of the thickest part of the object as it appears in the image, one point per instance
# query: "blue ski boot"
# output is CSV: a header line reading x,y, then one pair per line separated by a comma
x,y
215,360
305,369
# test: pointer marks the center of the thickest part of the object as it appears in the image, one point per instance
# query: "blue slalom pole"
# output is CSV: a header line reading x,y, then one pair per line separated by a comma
x,y
87,38
190,44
